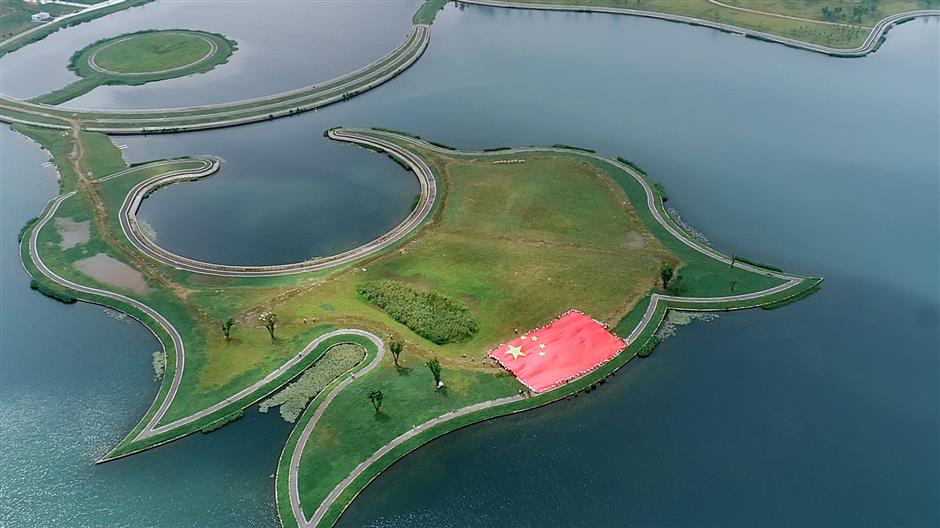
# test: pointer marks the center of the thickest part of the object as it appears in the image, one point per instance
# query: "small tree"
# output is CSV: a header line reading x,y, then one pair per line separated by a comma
x,y
435,367
227,328
375,396
270,321
395,347
666,274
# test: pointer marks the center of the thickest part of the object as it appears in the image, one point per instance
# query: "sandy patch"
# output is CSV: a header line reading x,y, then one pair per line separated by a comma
x,y
73,233
108,270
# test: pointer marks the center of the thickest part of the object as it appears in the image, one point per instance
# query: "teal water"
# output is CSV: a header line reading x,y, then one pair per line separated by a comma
x,y
821,413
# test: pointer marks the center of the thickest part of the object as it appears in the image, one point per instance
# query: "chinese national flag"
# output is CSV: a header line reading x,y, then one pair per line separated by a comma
x,y
571,346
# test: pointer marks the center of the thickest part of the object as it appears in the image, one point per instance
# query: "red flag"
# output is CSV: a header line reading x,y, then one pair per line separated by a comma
x,y
566,349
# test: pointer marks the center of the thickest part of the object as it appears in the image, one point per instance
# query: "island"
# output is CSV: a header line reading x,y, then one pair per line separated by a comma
x,y
499,244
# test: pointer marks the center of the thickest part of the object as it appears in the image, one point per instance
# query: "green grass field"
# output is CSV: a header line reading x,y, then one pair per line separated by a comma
x,y
152,52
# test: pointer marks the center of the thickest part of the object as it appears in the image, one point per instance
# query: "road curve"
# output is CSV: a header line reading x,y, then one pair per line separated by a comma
x,y
790,281
233,113
868,46
152,428
139,239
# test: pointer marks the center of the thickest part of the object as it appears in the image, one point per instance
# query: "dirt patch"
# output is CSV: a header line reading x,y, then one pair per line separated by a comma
x,y
635,240
73,233
113,272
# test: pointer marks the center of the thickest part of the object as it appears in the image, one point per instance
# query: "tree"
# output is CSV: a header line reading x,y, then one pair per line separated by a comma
x,y
375,396
395,347
666,274
227,328
435,366
270,321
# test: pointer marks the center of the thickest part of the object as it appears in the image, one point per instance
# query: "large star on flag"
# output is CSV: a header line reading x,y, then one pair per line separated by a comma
x,y
515,352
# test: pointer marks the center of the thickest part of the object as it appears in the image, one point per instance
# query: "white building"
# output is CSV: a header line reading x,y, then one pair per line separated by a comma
x,y
42,16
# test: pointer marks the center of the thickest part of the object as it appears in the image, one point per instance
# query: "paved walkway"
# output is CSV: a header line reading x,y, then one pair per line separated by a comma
x,y
136,236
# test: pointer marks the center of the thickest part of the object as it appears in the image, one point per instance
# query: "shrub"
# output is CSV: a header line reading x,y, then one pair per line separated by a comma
x,y
50,292
29,223
442,145
435,317
221,422
758,264
632,165
570,147
399,132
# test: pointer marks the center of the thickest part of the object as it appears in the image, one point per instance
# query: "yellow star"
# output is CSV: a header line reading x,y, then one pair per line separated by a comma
x,y
515,351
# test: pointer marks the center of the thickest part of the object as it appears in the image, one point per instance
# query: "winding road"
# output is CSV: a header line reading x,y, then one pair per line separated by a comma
x,y
136,236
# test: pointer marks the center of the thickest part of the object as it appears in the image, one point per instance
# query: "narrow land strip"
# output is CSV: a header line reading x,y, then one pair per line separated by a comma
x,y
869,45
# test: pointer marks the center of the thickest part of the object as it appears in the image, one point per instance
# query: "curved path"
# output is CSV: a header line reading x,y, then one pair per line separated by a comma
x,y
649,317
213,48
145,245
226,114
151,428
869,45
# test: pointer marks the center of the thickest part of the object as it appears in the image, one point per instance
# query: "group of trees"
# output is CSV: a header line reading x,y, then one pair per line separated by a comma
x,y
376,396
269,320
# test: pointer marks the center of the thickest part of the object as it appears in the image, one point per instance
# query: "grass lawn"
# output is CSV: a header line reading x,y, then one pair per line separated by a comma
x,y
153,51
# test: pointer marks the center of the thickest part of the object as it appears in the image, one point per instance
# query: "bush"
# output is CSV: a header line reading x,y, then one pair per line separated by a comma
x,y
647,348
442,145
225,420
399,132
399,161
29,223
632,165
496,149
52,293
563,146
758,264
435,317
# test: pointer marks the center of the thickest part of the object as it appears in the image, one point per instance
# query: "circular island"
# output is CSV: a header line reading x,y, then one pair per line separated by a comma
x,y
143,57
